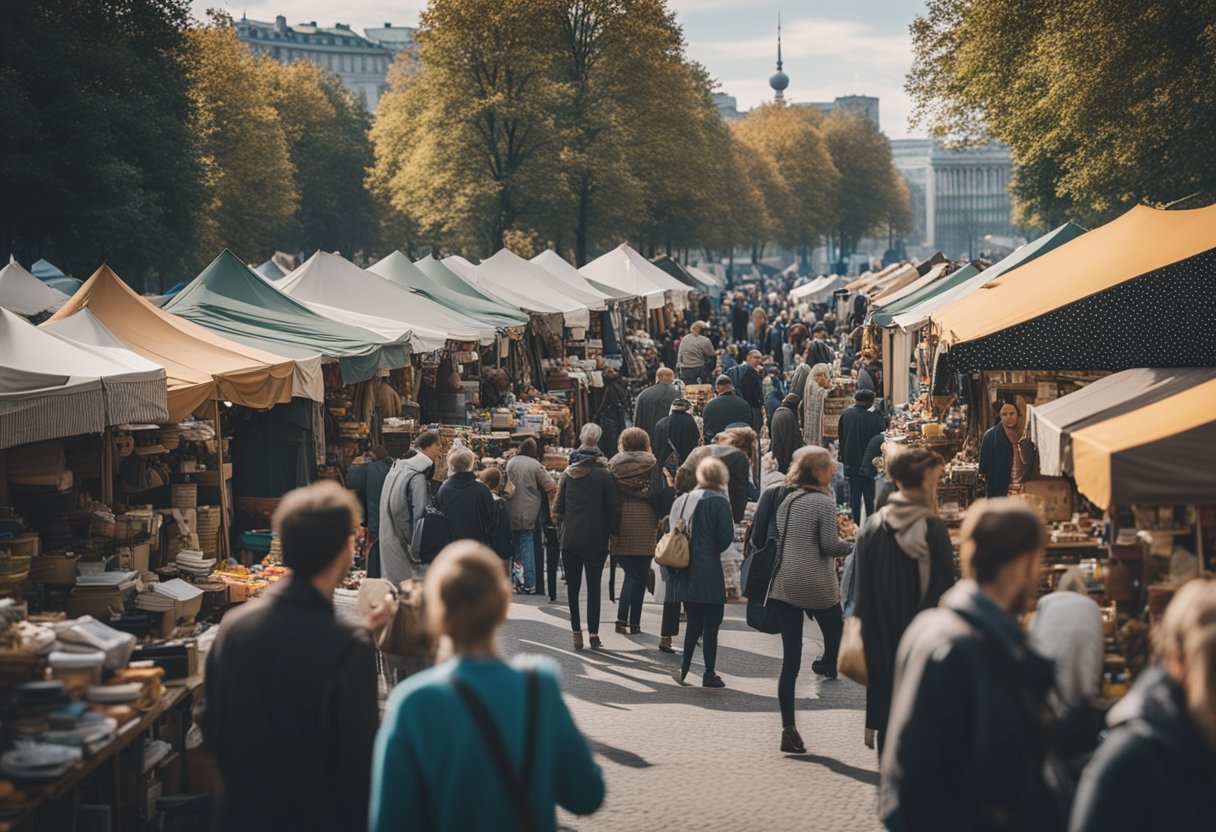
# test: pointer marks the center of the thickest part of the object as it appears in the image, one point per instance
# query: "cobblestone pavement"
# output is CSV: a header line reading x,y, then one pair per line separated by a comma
x,y
691,758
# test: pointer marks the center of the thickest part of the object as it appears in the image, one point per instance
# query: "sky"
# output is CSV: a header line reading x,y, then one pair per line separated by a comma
x,y
830,47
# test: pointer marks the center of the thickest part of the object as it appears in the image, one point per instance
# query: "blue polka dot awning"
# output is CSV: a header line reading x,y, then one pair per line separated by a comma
x,y
1139,291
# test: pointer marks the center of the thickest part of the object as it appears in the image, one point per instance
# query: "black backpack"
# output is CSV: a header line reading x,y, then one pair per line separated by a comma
x,y
433,533
500,531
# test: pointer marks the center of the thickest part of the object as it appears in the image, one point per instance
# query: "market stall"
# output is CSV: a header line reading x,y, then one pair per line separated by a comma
x,y
625,270
443,287
1104,301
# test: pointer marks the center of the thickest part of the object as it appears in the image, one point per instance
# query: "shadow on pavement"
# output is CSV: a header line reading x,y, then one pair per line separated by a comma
x,y
861,775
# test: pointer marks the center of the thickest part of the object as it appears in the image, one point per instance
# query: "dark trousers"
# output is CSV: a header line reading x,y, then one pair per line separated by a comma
x,y
547,555
633,589
692,375
861,488
703,623
575,568
671,619
830,621
373,560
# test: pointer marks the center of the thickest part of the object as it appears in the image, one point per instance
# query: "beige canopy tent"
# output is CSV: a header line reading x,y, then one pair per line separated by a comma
x,y
1158,454
200,366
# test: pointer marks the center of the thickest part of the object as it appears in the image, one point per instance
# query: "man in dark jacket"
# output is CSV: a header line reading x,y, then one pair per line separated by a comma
x,y
737,466
997,451
819,351
787,436
724,410
968,731
1157,769
858,425
749,387
367,481
654,403
466,500
676,435
587,511
291,704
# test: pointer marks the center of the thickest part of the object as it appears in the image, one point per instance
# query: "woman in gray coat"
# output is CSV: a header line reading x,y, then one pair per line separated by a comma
x,y
702,586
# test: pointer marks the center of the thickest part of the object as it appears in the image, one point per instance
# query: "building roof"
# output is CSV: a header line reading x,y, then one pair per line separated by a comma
x,y
391,37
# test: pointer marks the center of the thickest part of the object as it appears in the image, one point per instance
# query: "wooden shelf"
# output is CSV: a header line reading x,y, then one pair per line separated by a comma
x,y
211,478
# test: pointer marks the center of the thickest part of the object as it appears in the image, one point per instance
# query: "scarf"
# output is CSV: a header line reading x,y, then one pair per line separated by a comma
x,y
908,521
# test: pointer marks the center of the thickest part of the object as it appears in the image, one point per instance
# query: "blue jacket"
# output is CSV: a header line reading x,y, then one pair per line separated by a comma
x,y
712,531
431,769
996,461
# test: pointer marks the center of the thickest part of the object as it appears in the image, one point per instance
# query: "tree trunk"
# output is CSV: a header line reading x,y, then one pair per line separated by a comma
x,y
580,228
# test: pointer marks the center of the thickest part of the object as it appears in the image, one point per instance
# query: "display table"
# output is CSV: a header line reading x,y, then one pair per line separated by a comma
x,y
41,796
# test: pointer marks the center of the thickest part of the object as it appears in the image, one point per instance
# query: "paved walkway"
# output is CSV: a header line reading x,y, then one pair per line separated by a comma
x,y
690,758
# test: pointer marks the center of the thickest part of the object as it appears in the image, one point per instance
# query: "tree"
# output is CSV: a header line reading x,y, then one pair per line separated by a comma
x,y
466,145
244,149
327,134
96,153
871,195
1104,103
790,140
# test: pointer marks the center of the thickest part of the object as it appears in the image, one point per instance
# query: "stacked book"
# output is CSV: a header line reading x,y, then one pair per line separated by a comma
x,y
194,562
166,595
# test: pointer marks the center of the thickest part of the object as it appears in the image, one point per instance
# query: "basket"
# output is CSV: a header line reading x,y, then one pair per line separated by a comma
x,y
185,495
208,529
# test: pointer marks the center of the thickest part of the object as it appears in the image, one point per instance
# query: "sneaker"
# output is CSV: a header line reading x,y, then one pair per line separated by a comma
x,y
665,645
678,675
714,681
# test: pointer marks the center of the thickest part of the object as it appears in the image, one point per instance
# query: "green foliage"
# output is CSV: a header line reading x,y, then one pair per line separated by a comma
x,y
97,157
872,196
1104,103
244,148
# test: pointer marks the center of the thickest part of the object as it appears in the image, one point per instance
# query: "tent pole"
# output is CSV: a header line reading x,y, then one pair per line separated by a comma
x,y
223,543
107,467
1199,541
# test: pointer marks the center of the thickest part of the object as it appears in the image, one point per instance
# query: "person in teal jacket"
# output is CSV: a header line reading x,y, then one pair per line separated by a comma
x,y
702,586
433,768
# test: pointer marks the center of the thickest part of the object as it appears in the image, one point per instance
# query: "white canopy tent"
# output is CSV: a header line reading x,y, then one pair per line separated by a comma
x,y
625,269
817,290
334,287
573,281
25,294
51,387
511,277
467,272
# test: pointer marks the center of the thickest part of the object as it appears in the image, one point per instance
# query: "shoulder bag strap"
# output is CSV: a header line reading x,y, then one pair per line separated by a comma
x,y
517,789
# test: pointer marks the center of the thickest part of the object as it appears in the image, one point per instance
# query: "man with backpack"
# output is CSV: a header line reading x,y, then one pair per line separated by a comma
x,y
403,504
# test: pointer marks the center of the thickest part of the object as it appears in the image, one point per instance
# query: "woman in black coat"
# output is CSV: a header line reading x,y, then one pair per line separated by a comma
x,y
903,562
465,500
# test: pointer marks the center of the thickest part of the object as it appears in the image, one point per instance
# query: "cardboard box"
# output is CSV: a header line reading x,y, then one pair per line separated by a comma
x,y
1056,494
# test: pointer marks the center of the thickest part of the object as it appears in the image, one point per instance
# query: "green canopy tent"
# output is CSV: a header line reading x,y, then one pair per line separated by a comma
x,y
912,313
230,299
431,283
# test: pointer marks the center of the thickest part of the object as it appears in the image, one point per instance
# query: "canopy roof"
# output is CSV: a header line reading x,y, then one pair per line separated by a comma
x,y
513,278
271,270
1103,301
25,294
932,276
816,290
626,270
1156,454
459,289
892,282
398,269
200,365
45,270
913,312
673,269
865,280
557,266
52,387
335,287
1052,423
231,300
467,272
708,278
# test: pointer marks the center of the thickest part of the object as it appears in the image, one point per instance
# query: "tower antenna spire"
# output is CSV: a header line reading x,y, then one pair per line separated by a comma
x,y
778,40
779,80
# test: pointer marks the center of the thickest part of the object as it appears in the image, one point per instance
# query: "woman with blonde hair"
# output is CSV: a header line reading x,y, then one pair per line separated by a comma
x,y
478,719
804,577
702,586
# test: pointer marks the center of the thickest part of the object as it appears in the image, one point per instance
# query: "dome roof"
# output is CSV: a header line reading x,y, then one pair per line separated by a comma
x,y
779,80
